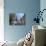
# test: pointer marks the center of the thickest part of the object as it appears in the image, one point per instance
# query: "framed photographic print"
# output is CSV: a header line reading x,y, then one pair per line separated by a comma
x,y
17,19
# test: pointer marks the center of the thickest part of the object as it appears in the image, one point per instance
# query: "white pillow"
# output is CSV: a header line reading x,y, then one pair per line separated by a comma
x,y
21,42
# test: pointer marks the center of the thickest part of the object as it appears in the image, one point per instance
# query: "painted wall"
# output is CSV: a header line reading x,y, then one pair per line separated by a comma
x,y
1,21
43,6
29,7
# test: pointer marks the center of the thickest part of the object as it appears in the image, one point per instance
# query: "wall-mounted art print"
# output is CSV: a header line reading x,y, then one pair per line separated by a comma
x,y
17,19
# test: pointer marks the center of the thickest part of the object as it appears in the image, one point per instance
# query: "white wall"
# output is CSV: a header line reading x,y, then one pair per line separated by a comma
x,y
1,21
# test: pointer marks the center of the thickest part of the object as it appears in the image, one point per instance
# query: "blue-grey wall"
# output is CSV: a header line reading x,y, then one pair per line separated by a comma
x,y
29,7
43,6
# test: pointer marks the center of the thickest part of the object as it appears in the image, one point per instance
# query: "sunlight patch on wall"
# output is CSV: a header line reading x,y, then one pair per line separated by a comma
x,y
1,21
